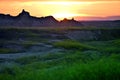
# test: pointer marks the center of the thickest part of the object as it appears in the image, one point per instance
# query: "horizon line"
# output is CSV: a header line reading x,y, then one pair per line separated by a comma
x,y
99,17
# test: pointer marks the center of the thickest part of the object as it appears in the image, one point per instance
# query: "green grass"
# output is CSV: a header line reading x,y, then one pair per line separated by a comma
x,y
70,44
27,44
94,60
58,58
32,59
6,51
106,68
58,28
112,46
86,60
116,42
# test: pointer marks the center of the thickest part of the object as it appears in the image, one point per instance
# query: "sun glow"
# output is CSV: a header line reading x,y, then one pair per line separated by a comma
x,y
62,15
62,8
58,9
68,15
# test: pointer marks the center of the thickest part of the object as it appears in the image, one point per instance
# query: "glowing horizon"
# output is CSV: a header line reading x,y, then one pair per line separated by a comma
x,y
63,9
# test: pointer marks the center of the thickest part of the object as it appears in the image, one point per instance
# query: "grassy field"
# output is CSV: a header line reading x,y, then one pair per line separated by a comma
x,y
58,28
80,60
27,37
86,60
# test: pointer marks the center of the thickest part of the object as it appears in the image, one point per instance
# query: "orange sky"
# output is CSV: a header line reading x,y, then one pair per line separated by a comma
x,y
62,8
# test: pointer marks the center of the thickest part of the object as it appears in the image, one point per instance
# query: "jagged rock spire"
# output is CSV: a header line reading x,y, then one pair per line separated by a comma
x,y
24,13
23,10
25,19
73,19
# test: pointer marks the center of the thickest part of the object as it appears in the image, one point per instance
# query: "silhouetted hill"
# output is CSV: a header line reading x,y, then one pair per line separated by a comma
x,y
117,21
24,19
72,22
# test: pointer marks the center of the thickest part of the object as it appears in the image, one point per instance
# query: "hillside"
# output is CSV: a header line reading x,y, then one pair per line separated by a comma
x,y
59,54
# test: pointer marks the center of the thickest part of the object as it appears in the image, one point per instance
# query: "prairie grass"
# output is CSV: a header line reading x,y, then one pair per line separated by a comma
x,y
70,44
88,60
106,68
6,51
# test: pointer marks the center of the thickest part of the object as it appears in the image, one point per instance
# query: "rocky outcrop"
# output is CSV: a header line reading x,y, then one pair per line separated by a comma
x,y
65,22
24,19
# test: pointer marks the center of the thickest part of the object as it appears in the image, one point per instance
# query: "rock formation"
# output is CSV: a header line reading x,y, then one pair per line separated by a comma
x,y
73,23
24,19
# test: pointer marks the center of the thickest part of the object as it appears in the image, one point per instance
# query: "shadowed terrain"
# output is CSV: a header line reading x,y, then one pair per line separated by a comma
x,y
59,54
69,53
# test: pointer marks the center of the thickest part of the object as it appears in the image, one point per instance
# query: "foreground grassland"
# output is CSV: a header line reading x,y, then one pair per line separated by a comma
x,y
88,60
78,60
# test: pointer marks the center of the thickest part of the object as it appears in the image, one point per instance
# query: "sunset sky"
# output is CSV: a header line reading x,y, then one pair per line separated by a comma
x,y
79,9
